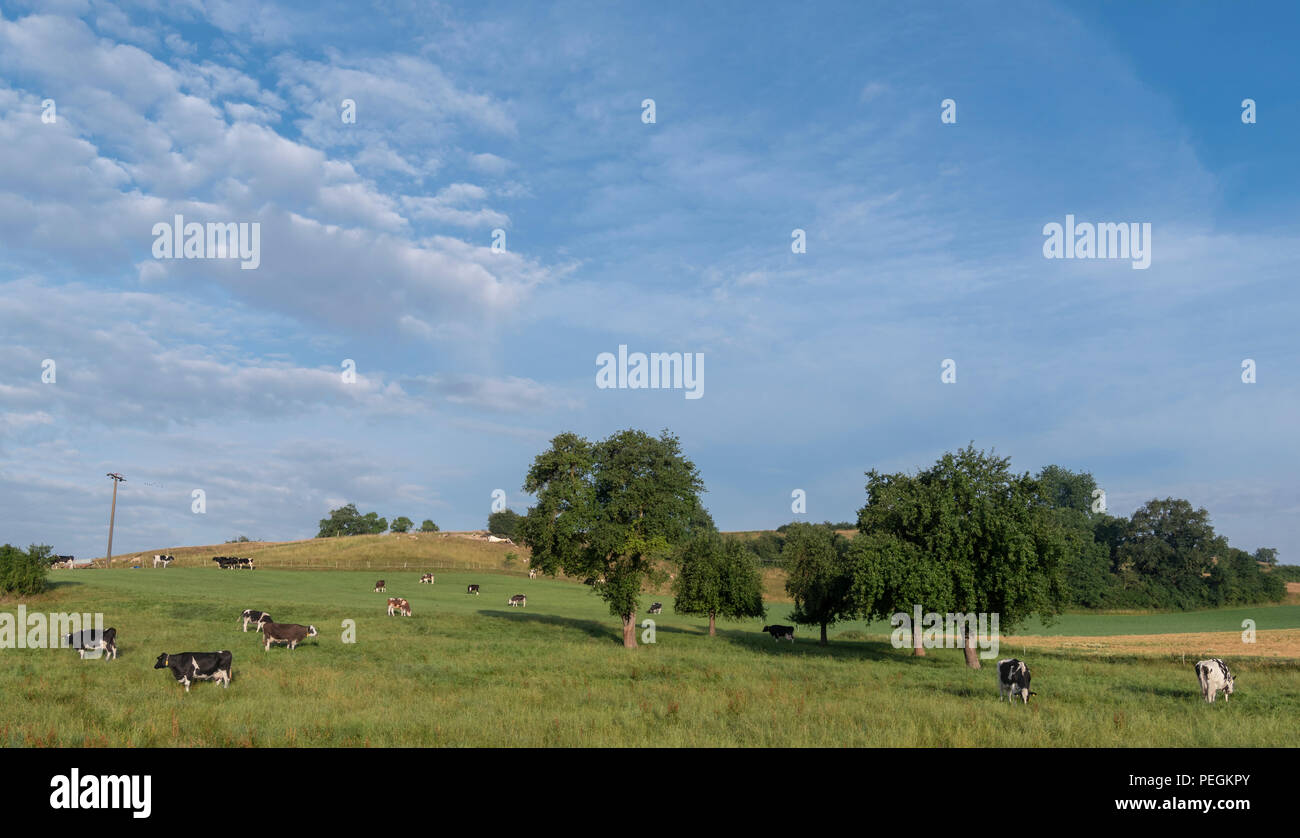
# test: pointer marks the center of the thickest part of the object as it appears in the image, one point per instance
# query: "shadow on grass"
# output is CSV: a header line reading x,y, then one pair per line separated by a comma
x,y
874,650
600,630
758,642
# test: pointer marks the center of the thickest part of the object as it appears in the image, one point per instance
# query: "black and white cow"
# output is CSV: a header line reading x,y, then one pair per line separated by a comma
x,y
91,640
780,632
188,667
252,615
426,579
519,600
1013,680
657,608
1214,677
472,589
163,561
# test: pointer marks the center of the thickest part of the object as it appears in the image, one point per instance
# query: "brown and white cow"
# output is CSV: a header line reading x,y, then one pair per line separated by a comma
x,y
380,587
518,599
426,579
397,605
290,633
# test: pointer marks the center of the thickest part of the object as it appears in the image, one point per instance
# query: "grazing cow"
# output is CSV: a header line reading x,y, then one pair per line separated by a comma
x,y
532,573
90,640
244,564
1214,677
780,632
397,605
188,667
380,587
290,633
518,599
226,562
62,562
472,589
1013,680
657,608
252,615
162,560
428,577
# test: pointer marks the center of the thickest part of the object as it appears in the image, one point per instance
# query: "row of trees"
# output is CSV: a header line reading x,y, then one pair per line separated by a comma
x,y
965,535
346,520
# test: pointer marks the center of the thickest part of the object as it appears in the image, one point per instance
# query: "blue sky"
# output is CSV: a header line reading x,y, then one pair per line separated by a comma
x,y
924,243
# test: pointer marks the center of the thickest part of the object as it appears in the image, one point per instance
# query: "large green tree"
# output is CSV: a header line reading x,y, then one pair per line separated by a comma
x,y
402,524
1068,497
717,577
818,575
609,511
1168,551
965,535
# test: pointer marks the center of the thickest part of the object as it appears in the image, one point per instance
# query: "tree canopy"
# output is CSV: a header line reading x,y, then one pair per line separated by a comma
x,y
346,520
819,578
717,577
607,511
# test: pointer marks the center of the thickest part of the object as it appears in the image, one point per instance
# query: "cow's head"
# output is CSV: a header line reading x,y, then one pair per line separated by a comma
x,y
311,631
1228,686
162,662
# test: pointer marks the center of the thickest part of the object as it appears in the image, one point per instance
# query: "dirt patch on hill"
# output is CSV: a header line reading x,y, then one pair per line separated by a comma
x,y
1275,643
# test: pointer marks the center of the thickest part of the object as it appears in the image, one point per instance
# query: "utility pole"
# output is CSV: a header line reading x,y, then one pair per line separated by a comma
x,y
108,560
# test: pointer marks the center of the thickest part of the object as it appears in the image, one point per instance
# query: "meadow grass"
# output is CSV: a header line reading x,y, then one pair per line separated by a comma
x,y
471,671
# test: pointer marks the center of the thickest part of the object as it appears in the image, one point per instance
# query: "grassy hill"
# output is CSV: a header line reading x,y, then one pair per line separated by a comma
x,y
390,551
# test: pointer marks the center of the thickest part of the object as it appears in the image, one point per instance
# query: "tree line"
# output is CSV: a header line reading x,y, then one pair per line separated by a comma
x,y
966,535
346,520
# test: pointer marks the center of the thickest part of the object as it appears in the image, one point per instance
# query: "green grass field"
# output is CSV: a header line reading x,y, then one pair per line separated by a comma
x,y
471,671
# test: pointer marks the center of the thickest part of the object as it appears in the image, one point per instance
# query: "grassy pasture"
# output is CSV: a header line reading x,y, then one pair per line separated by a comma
x,y
471,671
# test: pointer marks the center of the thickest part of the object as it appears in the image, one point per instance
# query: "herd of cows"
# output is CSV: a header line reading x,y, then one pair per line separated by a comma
x,y
187,667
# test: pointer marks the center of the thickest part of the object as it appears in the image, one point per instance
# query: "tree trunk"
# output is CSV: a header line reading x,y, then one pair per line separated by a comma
x,y
918,650
968,645
822,642
629,630
712,631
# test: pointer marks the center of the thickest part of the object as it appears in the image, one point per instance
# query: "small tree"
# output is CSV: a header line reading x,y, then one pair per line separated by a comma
x,y
428,526
23,573
402,524
505,523
717,577
820,578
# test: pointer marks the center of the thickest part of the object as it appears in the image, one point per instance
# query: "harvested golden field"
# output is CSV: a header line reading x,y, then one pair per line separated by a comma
x,y
1280,643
